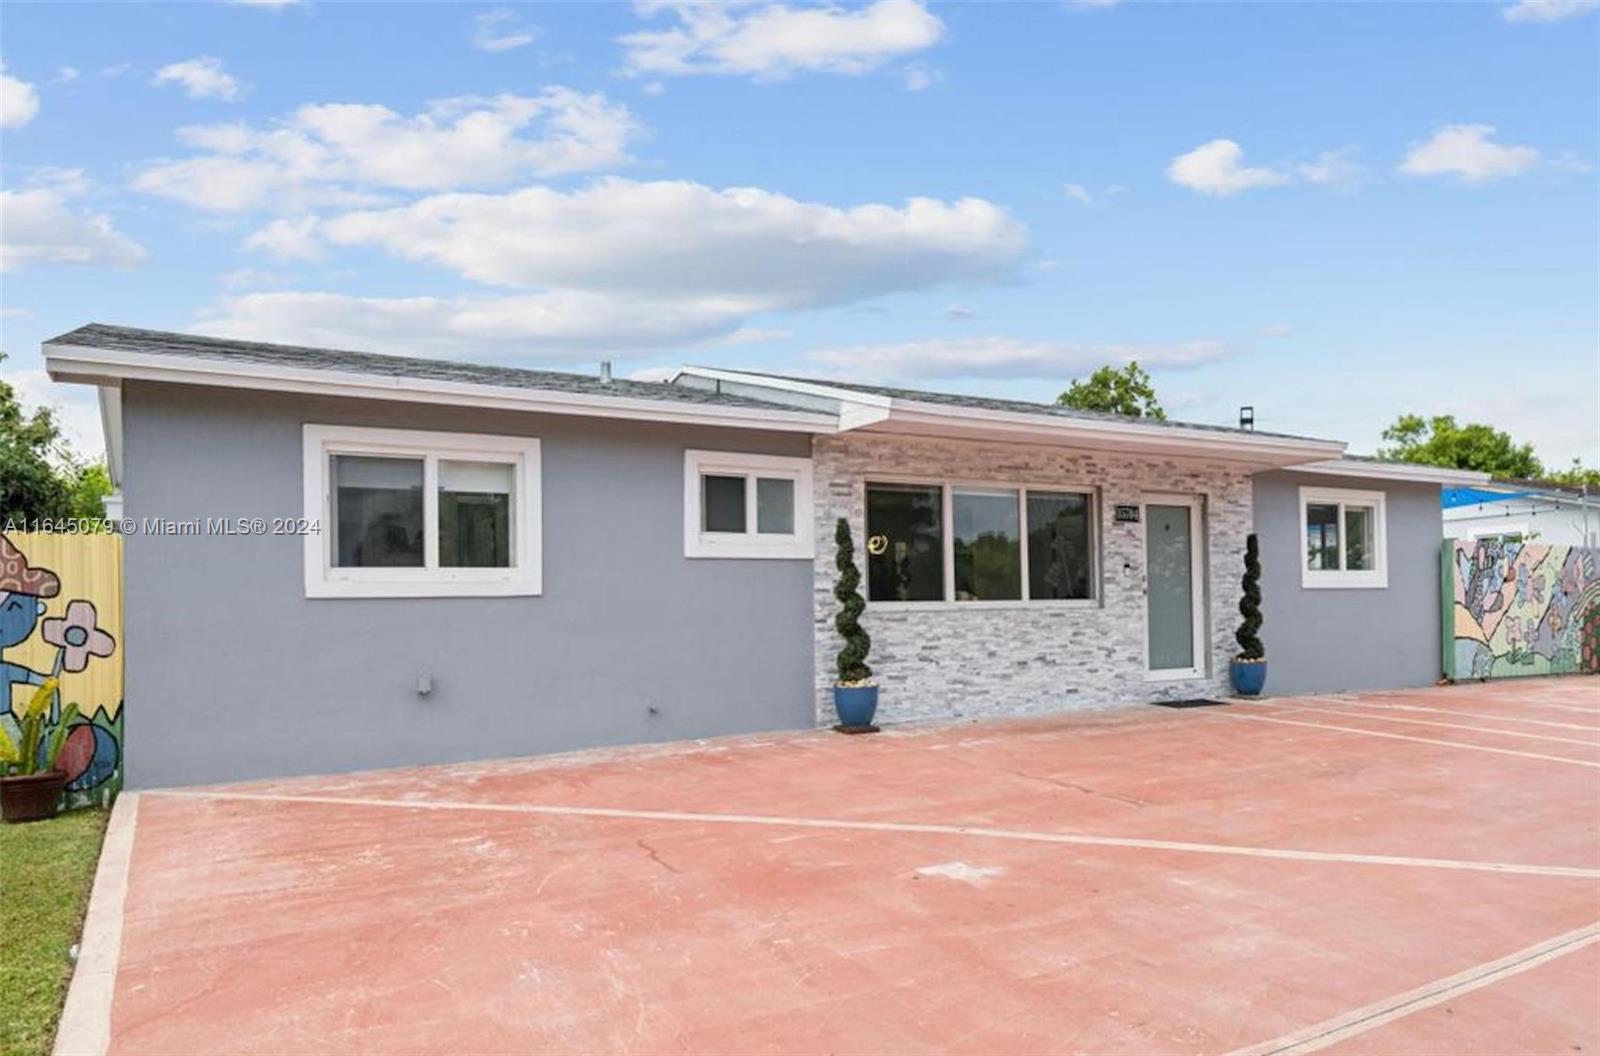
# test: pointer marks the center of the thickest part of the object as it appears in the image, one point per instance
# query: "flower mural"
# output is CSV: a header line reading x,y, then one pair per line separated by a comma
x,y
1521,609
72,650
76,635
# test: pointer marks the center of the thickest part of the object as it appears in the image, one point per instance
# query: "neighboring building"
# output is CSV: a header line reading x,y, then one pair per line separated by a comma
x,y
1523,511
344,560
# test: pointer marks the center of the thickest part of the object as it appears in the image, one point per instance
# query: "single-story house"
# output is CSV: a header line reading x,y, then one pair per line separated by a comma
x,y
340,560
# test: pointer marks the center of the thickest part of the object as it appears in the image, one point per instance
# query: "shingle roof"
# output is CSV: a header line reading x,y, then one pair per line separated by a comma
x,y
190,346
990,403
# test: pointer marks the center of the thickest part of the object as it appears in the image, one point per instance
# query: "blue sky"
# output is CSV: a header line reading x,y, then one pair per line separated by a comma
x,y
1338,213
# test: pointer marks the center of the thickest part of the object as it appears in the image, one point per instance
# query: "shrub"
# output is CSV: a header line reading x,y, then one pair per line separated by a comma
x,y
1250,647
853,657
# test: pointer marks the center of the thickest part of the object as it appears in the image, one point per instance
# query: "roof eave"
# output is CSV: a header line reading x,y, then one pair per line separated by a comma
x,y
1398,471
1260,451
102,366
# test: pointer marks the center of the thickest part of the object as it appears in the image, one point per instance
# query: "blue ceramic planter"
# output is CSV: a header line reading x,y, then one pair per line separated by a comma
x,y
1248,677
855,704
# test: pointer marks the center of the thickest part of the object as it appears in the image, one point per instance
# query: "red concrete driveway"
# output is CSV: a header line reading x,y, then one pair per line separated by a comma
x,y
1412,872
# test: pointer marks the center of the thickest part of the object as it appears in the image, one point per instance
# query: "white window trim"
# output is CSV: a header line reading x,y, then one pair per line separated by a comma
x,y
697,543
1197,585
949,603
323,580
1376,578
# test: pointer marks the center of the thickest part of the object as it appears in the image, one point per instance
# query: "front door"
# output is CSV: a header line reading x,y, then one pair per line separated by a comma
x,y
1174,591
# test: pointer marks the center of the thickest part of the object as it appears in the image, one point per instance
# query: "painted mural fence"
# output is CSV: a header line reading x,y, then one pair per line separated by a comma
x,y
61,615
1514,609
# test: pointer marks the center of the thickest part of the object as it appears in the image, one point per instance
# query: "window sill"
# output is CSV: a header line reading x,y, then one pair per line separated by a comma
x,y
432,588
1344,580
981,606
786,548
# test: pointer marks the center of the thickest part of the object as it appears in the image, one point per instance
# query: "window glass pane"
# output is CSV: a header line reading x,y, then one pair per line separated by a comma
x,y
377,512
905,542
988,549
1169,573
475,514
722,504
1059,558
774,506
1360,539
1322,536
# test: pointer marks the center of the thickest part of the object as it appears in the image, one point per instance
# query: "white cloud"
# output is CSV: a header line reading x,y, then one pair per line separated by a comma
x,y
1091,5
774,41
750,335
624,264
748,248
326,154
1078,193
117,70
919,75
66,75
1547,10
18,101
201,78
271,5
1005,357
1337,168
76,408
533,326
501,30
1277,330
1217,168
959,312
39,225
288,239
1465,151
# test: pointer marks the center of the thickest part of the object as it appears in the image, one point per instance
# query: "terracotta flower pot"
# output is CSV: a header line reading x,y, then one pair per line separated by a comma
x,y
32,797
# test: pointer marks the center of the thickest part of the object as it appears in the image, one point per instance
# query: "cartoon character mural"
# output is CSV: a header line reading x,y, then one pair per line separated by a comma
x,y
77,644
1521,609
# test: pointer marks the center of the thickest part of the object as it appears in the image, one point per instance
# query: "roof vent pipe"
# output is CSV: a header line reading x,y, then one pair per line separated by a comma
x,y
1247,417
605,372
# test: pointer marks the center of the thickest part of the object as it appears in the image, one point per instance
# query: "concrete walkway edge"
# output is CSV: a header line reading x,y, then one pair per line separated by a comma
x,y
85,1028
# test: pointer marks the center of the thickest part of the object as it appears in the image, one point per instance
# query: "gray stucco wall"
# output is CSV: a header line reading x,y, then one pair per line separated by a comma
x,y
233,673
1327,641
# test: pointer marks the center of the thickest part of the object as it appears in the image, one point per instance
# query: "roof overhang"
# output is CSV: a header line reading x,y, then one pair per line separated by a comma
x,y
108,368
1409,472
877,413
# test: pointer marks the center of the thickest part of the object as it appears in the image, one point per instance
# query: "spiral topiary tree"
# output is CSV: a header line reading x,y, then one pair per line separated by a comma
x,y
853,657
1250,647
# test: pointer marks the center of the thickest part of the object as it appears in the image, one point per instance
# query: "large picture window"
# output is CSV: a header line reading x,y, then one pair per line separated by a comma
x,y
976,543
738,505
399,513
1343,538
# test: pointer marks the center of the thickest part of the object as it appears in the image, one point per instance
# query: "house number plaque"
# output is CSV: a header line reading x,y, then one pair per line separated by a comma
x,y
1126,515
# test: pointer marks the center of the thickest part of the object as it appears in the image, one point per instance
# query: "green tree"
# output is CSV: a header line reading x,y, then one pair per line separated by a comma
x,y
1440,441
39,474
1127,391
1575,475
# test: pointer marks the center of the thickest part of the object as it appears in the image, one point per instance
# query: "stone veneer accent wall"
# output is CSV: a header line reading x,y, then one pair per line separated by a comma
x,y
949,662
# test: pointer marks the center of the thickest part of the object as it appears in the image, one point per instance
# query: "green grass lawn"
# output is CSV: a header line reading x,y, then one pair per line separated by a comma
x,y
46,868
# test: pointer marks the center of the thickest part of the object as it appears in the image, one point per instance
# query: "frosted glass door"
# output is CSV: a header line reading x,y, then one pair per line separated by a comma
x,y
1169,562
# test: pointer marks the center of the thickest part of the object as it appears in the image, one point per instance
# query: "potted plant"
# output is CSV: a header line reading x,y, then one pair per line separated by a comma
x,y
30,784
1249,668
855,696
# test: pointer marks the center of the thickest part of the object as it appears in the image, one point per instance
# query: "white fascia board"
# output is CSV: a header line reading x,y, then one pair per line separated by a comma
x,y
931,418
111,429
804,388
1403,471
99,366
